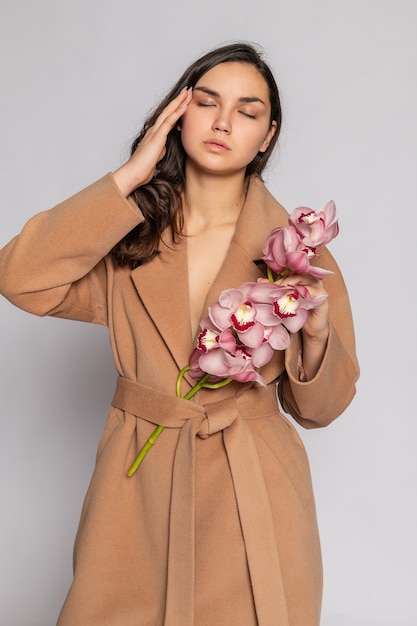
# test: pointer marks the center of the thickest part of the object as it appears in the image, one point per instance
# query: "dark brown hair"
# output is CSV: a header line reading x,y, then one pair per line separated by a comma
x,y
160,199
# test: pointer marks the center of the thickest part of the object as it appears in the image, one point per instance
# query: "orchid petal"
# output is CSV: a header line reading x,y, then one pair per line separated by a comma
x,y
315,228
253,337
262,293
219,316
208,339
265,314
279,338
262,355
227,341
298,261
294,324
243,317
213,363
230,298
317,272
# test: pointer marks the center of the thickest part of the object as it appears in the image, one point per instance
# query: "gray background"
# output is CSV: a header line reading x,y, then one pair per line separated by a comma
x,y
76,81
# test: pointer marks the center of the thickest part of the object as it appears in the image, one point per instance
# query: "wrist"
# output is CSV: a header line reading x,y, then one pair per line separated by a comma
x,y
314,349
127,179
320,336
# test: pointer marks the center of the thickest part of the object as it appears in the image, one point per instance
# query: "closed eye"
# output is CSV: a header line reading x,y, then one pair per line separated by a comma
x,y
252,117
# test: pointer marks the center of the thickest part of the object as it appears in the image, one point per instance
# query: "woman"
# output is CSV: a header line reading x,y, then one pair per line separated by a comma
x,y
218,525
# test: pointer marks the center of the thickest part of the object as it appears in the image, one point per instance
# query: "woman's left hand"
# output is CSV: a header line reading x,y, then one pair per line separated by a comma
x,y
315,330
317,324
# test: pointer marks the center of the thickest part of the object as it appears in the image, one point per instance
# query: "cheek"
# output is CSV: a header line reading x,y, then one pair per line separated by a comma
x,y
255,141
189,125
194,117
188,129
264,139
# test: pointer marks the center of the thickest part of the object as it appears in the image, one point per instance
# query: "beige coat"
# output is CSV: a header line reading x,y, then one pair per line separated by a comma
x,y
218,525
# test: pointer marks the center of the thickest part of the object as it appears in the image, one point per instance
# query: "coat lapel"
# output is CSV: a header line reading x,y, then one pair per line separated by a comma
x,y
162,283
162,286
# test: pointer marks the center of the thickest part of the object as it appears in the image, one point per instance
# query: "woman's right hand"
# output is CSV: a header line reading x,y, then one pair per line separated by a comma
x,y
140,168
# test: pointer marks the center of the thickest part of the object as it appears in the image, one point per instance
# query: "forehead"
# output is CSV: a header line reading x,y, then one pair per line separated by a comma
x,y
236,79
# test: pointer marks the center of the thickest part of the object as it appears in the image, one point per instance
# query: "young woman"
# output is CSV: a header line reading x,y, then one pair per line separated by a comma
x,y
218,524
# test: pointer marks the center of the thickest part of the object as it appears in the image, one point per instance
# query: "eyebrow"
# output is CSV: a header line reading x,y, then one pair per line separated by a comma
x,y
215,94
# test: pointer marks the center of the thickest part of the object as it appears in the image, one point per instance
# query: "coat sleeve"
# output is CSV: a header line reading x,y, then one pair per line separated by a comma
x,y
56,265
322,399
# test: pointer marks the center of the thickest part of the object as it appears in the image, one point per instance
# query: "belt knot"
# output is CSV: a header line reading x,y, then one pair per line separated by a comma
x,y
218,416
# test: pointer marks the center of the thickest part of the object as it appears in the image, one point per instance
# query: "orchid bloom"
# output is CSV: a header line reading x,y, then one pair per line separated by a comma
x,y
234,310
283,304
196,372
208,339
315,228
220,354
238,366
285,253
275,338
293,304
211,338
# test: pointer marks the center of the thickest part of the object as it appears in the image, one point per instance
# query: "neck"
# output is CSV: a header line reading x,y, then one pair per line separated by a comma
x,y
212,200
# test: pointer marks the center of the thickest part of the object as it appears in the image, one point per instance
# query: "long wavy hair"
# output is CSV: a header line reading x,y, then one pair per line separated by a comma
x,y
160,199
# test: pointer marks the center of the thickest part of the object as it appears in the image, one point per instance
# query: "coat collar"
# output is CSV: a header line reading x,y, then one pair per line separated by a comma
x,y
162,283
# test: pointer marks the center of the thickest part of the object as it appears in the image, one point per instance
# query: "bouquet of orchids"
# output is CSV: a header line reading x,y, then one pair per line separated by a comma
x,y
247,324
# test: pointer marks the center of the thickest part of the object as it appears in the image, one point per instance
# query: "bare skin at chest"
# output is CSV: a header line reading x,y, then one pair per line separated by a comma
x,y
206,251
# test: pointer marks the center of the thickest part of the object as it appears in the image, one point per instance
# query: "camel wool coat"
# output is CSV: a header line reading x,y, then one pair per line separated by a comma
x,y
218,525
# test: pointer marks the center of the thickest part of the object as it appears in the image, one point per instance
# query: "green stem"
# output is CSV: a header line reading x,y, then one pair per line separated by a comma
x,y
196,387
270,274
221,383
275,277
179,379
148,445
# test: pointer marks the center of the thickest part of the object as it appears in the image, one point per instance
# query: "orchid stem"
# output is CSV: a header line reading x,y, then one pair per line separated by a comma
x,y
196,387
273,278
221,383
144,451
179,379
270,274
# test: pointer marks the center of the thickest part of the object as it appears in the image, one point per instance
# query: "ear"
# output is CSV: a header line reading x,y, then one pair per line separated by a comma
x,y
271,132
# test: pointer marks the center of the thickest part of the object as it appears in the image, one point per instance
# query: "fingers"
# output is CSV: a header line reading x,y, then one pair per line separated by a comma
x,y
314,285
173,111
152,147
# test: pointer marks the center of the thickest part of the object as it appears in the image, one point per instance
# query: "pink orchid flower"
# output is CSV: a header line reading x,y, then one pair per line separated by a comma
x,y
195,370
234,310
286,304
285,253
238,366
282,249
315,228
208,339
293,304
211,338
275,338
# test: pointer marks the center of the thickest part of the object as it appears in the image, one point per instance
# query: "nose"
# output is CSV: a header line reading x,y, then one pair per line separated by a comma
x,y
222,122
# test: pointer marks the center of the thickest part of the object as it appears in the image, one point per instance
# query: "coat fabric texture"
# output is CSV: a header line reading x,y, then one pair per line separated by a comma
x,y
218,526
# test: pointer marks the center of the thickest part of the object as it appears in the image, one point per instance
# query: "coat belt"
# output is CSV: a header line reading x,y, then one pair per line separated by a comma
x,y
229,415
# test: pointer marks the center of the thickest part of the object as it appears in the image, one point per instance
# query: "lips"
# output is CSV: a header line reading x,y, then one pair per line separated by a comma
x,y
216,145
